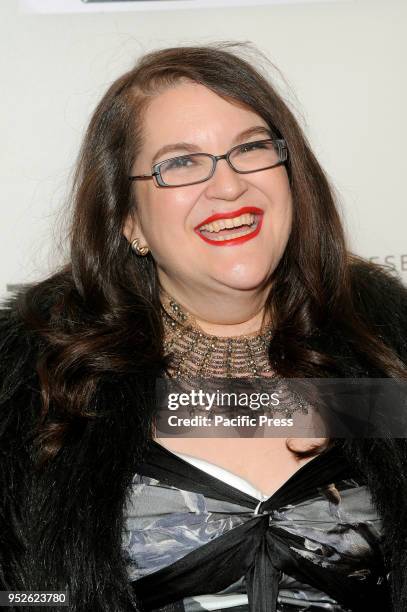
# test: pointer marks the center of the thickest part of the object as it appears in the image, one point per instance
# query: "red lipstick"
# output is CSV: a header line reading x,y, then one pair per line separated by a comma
x,y
227,215
231,214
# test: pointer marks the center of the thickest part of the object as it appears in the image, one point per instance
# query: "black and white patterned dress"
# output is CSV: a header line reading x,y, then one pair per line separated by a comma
x,y
194,542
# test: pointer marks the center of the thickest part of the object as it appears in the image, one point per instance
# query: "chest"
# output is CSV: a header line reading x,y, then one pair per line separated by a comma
x,y
266,463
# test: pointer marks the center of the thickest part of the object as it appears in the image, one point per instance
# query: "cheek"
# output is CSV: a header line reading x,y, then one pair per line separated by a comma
x,y
163,218
283,227
281,209
287,215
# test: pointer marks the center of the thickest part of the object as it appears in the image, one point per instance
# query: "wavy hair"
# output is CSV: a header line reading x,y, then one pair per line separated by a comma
x,y
103,312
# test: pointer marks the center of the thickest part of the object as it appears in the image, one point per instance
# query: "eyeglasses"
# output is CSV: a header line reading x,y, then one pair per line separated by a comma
x,y
199,167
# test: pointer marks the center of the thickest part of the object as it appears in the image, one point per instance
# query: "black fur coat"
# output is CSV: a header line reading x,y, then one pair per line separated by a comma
x,y
61,527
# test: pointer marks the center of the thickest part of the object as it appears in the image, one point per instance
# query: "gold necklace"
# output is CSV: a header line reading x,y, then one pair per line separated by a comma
x,y
197,354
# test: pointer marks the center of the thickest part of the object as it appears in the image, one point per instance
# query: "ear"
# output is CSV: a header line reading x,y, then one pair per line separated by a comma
x,y
132,229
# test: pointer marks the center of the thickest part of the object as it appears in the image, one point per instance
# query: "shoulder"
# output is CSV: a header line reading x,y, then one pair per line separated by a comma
x,y
20,401
380,299
23,316
18,348
21,346
378,290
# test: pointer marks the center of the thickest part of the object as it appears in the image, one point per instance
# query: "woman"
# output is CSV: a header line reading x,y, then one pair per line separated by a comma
x,y
160,284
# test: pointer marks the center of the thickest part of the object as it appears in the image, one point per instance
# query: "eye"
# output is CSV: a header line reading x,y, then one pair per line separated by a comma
x,y
178,163
253,146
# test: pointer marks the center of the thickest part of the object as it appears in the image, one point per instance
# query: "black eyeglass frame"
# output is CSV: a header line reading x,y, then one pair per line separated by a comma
x,y
156,168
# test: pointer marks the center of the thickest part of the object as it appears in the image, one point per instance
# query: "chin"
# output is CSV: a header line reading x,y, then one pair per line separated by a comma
x,y
247,282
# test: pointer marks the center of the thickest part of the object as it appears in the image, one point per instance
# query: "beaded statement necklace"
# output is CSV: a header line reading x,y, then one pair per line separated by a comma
x,y
197,354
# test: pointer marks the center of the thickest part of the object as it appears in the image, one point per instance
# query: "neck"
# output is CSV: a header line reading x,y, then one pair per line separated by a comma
x,y
246,326
236,316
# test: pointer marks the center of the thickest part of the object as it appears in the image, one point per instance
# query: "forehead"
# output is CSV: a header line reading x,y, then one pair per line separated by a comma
x,y
192,112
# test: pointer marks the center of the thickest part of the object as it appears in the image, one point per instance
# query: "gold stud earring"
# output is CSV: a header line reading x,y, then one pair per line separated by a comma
x,y
139,250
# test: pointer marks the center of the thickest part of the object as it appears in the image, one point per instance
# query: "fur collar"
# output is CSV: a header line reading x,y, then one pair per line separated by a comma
x,y
62,525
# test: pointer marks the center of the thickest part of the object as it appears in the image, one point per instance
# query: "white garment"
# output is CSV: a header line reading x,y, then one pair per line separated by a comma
x,y
221,474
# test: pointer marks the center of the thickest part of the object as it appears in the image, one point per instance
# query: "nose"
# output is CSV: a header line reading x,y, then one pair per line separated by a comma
x,y
225,184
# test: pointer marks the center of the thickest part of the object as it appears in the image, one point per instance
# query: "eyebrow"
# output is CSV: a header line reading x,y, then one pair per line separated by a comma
x,y
193,148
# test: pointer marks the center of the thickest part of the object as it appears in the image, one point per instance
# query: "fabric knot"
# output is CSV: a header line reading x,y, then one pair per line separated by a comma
x,y
261,511
263,577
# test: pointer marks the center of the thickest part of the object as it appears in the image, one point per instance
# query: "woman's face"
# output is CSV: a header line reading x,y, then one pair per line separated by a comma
x,y
191,118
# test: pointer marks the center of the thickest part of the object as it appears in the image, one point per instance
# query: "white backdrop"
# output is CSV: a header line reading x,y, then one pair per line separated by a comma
x,y
107,6
344,65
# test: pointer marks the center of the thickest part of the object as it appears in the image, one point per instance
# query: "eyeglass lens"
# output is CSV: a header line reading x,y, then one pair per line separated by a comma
x,y
197,167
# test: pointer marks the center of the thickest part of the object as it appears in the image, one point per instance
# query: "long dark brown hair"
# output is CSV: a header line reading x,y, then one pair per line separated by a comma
x,y
101,312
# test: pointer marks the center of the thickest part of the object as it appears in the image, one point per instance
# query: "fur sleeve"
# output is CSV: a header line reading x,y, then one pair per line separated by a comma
x,y
61,526
381,300
18,402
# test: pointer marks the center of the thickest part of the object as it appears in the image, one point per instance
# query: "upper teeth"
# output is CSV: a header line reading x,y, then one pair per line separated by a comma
x,y
220,224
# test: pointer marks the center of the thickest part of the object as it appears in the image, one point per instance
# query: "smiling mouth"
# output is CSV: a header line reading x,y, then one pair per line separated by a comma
x,y
231,230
